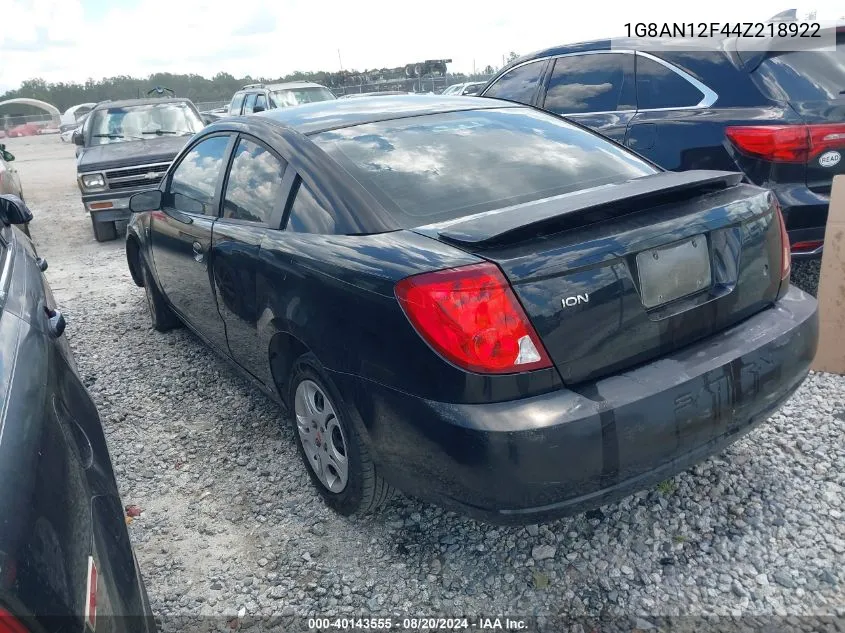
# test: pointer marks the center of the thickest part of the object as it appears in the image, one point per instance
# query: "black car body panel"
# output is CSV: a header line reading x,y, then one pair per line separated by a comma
x,y
574,449
737,89
632,392
59,502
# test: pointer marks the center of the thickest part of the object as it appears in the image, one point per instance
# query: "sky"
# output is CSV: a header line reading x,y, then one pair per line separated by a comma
x,y
73,40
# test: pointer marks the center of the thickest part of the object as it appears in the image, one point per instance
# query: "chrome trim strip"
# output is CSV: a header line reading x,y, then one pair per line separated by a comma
x,y
708,99
7,270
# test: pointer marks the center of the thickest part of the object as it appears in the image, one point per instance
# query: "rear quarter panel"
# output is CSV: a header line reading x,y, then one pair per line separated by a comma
x,y
335,295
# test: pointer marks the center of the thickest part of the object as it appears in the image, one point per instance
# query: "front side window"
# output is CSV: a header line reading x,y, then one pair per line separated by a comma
x,y
297,96
249,103
309,215
519,84
591,83
195,179
254,186
237,103
440,167
661,87
260,103
138,122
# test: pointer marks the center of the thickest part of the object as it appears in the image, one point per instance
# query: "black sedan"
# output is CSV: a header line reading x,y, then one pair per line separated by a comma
x,y
476,302
66,562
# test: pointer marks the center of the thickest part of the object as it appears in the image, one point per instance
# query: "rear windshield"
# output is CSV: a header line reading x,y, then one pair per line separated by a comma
x,y
805,75
439,167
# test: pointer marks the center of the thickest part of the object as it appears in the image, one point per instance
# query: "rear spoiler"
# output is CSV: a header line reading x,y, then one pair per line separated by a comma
x,y
751,55
551,215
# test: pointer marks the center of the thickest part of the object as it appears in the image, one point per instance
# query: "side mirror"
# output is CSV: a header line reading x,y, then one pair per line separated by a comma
x,y
13,210
7,156
257,109
77,138
145,201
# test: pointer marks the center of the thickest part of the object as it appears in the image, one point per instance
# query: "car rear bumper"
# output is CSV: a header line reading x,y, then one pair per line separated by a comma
x,y
805,214
574,449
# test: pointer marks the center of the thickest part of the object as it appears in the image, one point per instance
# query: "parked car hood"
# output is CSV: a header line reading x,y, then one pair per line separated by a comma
x,y
155,150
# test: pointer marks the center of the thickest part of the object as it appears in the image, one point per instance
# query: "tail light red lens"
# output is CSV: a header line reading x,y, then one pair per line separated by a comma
x,y
10,624
471,317
787,143
786,253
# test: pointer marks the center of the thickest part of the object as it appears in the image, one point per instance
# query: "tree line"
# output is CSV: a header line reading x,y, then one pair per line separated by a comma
x,y
195,87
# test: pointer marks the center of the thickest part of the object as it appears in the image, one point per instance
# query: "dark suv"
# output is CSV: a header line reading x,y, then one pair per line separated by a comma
x,y
779,117
260,97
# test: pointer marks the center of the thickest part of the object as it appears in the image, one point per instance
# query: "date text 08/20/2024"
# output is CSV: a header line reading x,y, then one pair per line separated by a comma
x,y
412,624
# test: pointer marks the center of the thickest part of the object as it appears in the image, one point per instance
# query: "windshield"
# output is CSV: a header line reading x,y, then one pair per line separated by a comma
x,y
298,96
439,167
805,75
131,123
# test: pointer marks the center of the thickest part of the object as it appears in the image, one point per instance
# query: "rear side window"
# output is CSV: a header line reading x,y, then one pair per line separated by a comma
x,y
439,167
260,102
237,102
309,215
661,87
591,83
255,182
520,84
804,75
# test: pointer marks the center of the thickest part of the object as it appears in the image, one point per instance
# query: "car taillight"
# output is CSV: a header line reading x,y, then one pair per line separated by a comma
x,y
471,317
785,254
787,143
10,624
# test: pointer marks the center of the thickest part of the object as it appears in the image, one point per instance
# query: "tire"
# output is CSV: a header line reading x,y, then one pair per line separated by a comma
x,y
320,430
103,231
161,316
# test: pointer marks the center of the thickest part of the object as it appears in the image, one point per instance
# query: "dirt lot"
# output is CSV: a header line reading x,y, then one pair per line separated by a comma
x,y
230,524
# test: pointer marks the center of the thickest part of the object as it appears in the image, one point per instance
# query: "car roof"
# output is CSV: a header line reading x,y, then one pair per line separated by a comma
x,y
285,85
313,118
667,51
104,105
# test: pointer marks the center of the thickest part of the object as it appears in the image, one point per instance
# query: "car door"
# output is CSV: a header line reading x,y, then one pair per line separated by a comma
x,y
254,197
181,235
595,88
668,127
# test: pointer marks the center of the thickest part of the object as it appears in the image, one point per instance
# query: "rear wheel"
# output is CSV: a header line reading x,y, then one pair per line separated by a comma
x,y
161,316
337,461
103,231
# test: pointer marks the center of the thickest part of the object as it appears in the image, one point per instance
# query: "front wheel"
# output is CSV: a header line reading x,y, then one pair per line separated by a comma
x,y
337,461
162,317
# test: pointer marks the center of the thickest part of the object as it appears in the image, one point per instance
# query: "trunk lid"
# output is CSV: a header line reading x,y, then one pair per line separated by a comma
x,y
608,275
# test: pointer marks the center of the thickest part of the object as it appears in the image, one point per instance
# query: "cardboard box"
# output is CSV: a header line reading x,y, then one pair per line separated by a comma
x,y
831,293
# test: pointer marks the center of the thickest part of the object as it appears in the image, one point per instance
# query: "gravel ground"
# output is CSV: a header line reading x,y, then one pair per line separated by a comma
x,y
230,523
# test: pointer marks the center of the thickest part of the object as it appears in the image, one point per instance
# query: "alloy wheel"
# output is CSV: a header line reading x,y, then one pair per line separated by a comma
x,y
321,435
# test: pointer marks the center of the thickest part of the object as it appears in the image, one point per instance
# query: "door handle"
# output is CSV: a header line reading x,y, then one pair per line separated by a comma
x,y
199,252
